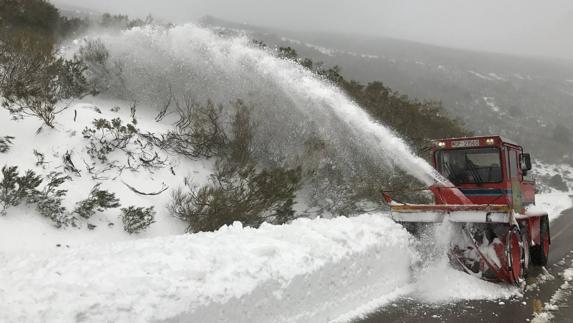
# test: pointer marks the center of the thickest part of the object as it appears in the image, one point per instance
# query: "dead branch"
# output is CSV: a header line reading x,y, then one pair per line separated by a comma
x,y
165,187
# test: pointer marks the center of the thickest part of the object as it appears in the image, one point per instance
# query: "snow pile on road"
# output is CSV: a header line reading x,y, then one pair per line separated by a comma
x,y
308,271
553,203
438,282
553,200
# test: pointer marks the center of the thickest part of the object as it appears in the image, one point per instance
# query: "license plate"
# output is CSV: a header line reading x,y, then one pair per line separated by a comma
x,y
465,143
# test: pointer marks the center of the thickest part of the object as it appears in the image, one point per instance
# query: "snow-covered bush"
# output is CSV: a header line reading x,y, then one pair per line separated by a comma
x,y
98,200
238,193
5,143
101,75
15,189
49,200
238,190
199,130
107,136
137,219
35,78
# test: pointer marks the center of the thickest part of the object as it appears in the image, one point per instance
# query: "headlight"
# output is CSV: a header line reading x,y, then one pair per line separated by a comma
x,y
441,144
489,141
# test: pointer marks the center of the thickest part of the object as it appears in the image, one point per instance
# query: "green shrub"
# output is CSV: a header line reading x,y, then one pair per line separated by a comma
x,y
98,200
137,219
199,130
35,78
5,143
238,193
15,188
107,136
49,200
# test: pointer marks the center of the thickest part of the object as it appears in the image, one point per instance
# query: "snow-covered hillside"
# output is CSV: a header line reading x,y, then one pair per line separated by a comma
x,y
24,229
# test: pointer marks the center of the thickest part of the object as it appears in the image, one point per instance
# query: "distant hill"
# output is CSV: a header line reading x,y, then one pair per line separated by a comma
x,y
527,99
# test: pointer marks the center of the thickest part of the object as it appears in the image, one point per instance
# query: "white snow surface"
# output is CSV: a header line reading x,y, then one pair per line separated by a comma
x,y
308,271
553,203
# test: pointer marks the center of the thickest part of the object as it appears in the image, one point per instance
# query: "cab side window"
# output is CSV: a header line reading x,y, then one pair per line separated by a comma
x,y
513,164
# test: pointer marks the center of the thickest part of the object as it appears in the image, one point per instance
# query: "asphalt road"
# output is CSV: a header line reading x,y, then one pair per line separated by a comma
x,y
517,309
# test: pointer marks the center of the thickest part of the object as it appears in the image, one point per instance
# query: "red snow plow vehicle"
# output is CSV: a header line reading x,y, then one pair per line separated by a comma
x,y
486,198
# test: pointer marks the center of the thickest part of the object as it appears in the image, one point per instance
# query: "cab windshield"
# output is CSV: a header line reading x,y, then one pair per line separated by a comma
x,y
470,166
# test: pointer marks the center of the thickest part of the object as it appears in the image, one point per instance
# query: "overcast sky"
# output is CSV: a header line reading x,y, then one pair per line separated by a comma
x,y
531,27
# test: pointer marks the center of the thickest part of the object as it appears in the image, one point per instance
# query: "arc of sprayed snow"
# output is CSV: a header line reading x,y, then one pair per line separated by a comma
x,y
135,190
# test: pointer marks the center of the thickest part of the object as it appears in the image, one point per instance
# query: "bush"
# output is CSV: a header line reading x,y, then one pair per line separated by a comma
x,y
238,193
101,74
48,201
5,143
35,78
108,136
15,188
199,131
137,219
98,200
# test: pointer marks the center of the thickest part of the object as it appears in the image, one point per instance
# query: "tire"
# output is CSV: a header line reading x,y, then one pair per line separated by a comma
x,y
540,252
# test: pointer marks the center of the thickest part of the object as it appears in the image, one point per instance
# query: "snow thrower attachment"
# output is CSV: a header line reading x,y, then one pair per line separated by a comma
x,y
485,198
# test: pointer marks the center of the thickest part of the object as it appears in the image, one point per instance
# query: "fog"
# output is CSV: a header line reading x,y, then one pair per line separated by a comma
x,y
522,27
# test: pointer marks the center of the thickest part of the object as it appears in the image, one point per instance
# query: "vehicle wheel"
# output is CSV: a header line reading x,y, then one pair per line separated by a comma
x,y
515,248
540,252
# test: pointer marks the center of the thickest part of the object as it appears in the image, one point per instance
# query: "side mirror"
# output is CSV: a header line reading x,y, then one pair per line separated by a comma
x,y
525,163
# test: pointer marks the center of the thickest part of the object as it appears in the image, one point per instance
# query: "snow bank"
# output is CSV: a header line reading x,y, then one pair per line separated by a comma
x,y
438,282
553,203
308,271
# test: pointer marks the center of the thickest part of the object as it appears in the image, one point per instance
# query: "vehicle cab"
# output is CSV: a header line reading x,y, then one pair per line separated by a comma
x,y
487,169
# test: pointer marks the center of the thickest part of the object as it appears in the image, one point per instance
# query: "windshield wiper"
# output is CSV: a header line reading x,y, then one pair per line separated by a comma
x,y
453,176
470,165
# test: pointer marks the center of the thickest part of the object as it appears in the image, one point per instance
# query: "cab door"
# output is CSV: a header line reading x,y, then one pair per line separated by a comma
x,y
515,177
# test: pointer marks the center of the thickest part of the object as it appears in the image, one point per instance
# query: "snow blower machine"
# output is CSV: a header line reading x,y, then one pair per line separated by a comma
x,y
489,202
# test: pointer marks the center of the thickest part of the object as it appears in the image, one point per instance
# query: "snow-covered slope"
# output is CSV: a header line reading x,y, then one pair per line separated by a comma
x,y
24,229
